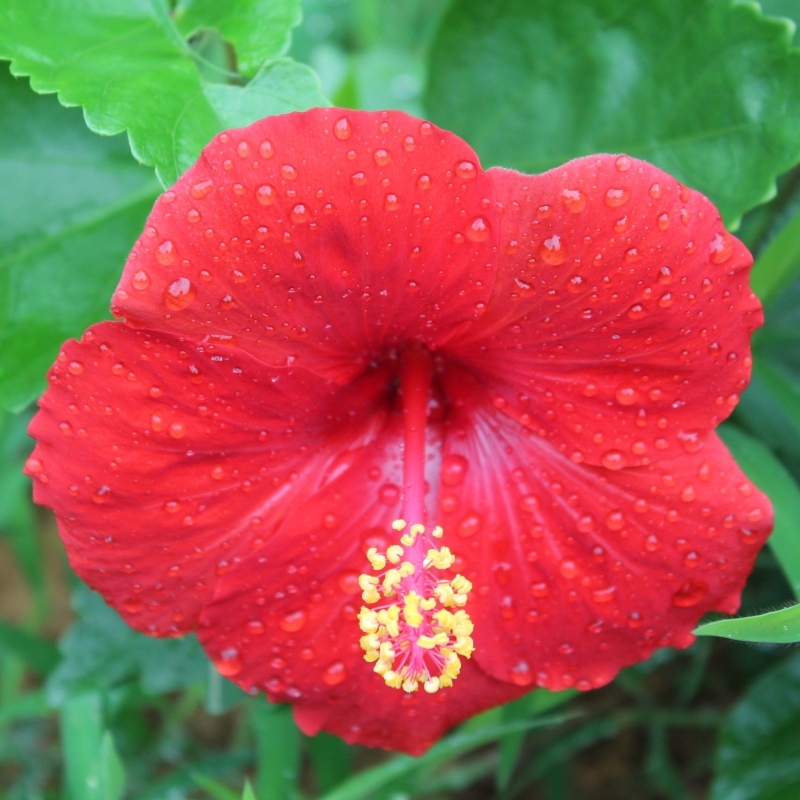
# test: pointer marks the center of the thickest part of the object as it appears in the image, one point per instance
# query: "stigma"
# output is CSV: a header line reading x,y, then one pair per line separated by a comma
x,y
415,628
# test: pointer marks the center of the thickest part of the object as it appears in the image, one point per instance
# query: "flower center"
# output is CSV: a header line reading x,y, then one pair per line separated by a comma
x,y
409,631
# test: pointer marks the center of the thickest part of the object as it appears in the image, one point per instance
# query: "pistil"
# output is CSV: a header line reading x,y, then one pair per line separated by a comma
x,y
410,633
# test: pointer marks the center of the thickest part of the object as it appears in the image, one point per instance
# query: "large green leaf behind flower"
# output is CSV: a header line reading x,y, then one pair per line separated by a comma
x,y
128,64
71,206
709,91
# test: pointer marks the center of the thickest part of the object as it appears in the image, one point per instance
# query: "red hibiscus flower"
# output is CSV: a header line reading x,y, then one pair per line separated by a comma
x,y
343,338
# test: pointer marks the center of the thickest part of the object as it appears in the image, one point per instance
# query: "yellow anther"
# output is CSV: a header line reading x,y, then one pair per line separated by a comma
x,y
441,559
464,646
426,642
408,539
394,553
437,532
428,604
411,610
417,529
406,569
393,679
432,685
387,651
368,584
391,580
389,617
410,685
376,559
398,524
368,620
365,581
445,593
461,585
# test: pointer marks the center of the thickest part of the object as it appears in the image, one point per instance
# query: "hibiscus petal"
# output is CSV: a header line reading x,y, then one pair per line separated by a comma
x,y
620,322
323,236
284,620
578,570
167,462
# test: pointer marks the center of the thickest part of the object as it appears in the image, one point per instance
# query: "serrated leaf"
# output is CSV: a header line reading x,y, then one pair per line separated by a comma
x,y
761,466
71,210
100,651
708,91
131,69
759,749
258,29
774,627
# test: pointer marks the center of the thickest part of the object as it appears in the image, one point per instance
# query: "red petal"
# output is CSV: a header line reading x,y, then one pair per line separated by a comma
x,y
284,620
579,571
167,463
323,236
620,322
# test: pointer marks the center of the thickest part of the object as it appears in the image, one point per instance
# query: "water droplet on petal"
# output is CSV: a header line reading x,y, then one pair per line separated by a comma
x,y
574,200
552,251
358,178
626,394
568,568
140,280
454,469
229,663
469,525
637,311
243,149
663,221
690,594
293,621
299,213
382,157
466,170
201,189
521,674
179,294
721,248
478,230
334,673
617,197
342,129
389,494
623,163
613,459
604,595
391,202
255,627
289,173
655,191
165,254
75,367
266,149
615,521
266,194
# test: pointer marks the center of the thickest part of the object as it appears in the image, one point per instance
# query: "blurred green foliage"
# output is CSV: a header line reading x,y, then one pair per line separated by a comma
x,y
710,91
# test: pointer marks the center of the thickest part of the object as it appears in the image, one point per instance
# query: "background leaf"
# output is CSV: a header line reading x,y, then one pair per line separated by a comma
x,y
258,29
709,91
759,751
774,627
74,204
131,69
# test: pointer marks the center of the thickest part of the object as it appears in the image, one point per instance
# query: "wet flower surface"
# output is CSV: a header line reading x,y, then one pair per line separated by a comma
x,y
227,457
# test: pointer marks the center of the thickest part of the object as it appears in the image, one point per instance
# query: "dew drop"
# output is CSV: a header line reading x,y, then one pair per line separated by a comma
x,y
615,521
102,496
177,430
721,248
266,194
389,494
165,253
266,149
663,221
478,230
469,525
179,294
75,367
666,300
613,459
229,663
342,129
690,594
552,251
617,197
655,191
382,157
604,595
574,200
466,170
626,394
424,182
539,589
299,213
334,673
255,627
454,469
289,173
293,621
521,674
637,311
141,280
391,202
358,178
568,568
623,163
243,149
348,582
201,189
576,284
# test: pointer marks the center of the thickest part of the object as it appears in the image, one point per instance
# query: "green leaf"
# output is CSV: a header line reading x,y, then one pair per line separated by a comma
x,y
771,477
278,750
110,771
247,792
37,654
330,758
219,791
370,782
774,627
100,651
78,203
778,264
759,748
258,29
708,91
131,69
